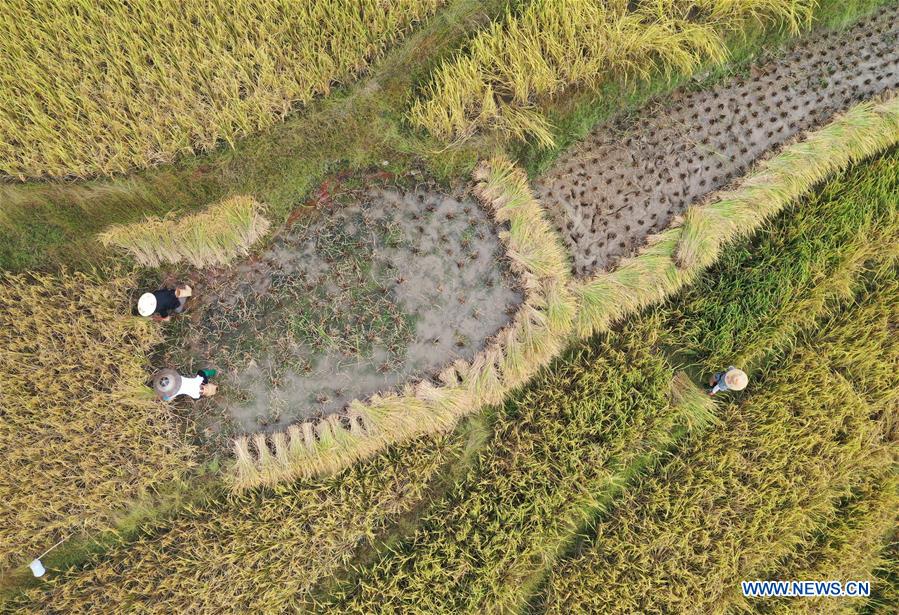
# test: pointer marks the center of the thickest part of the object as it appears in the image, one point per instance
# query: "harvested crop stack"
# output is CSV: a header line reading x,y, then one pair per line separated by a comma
x,y
215,236
79,437
92,87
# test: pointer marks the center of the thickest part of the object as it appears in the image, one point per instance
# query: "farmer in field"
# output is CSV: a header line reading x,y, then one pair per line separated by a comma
x,y
169,384
161,304
732,379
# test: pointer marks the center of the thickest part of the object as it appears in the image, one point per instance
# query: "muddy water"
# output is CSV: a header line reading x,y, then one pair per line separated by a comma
x,y
390,286
628,179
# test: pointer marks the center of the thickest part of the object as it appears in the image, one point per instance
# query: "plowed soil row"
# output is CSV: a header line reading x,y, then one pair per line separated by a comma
x,y
630,177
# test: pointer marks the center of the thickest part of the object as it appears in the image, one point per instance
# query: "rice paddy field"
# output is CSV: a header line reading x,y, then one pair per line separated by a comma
x,y
464,270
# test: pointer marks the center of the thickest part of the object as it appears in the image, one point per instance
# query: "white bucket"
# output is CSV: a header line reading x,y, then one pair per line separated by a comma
x,y
37,568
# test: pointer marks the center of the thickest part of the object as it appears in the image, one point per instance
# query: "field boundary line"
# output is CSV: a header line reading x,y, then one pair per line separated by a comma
x,y
676,256
539,331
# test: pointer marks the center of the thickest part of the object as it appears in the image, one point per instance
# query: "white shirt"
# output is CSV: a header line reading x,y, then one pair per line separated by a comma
x,y
189,387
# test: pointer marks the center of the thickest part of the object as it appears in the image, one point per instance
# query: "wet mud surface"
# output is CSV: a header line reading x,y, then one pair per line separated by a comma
x,y
631,177
388,286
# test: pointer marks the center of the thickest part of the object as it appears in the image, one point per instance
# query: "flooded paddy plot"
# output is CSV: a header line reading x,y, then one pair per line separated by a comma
x,y
389,286
628,179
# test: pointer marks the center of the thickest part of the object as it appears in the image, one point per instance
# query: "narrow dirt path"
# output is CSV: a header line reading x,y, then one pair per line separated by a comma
x,y
628,179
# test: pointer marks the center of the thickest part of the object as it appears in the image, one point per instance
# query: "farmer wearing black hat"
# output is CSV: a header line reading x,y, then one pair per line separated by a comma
x,y
169,384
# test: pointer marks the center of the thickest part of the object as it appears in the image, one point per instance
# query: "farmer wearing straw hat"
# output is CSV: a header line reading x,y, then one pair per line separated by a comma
x,y
161,304
732,379
169,384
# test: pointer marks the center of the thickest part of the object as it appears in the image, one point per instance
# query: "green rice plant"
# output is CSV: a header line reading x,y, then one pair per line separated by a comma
x,y
675,257
745,495
80,439
263,551
214,236
798,270
538,332
562,449
99,88
498,83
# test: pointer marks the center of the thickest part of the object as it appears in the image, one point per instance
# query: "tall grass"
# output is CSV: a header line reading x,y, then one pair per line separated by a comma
x,y
537,333
260,552
79,439
499,81
97,88
749,493
674,257
214,236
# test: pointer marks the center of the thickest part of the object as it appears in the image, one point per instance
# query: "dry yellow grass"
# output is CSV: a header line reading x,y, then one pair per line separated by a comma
x,y
214,236
103,87
79,437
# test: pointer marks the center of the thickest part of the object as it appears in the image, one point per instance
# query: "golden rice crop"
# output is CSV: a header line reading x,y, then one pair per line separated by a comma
x,y
260,552
735,502
214,236
850,545
499,81
560,450
79,438
103,87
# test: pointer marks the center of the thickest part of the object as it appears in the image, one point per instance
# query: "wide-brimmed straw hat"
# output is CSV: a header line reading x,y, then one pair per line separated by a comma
x,y
146,305
166,382
736,379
